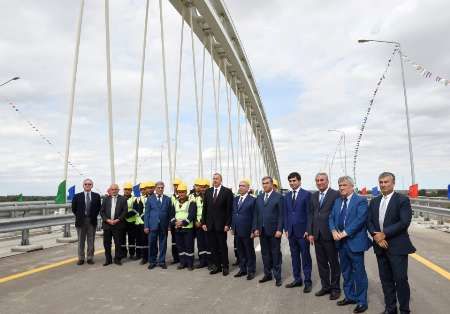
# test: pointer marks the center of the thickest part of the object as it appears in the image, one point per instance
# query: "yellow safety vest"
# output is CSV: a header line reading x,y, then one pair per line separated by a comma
x,y
182,212
198,199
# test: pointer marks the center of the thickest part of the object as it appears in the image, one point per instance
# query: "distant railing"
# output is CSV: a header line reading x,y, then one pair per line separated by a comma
x,y
32,209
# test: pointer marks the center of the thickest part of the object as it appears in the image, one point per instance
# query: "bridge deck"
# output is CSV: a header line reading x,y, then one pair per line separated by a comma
x,y
132,288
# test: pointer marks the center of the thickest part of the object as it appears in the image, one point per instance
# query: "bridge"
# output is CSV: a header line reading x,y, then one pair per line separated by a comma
x,y
37,247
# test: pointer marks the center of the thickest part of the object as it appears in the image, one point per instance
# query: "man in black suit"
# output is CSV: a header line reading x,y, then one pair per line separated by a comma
x,y
113,212
319,234
86,206
388,220
216,220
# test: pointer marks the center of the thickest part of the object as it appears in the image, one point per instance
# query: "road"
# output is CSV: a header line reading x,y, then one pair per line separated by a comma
x,y
132,288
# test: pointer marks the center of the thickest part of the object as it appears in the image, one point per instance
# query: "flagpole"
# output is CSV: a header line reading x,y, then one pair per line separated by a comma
x,y
72,91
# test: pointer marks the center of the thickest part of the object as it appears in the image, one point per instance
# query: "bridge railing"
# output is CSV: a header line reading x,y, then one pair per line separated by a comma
x,y
20,209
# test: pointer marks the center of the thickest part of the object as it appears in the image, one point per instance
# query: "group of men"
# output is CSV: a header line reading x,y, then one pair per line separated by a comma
x,y
337,223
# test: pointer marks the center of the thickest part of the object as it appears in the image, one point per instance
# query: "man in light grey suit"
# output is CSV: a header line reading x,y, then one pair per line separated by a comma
x,y
113,212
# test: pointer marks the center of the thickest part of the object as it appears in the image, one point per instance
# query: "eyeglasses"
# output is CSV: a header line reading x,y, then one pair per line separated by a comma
x,y
88,184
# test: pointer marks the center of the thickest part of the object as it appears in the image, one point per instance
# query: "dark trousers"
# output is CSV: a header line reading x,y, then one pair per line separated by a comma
x,y
354,274
130,235
300,258
328,264
235,249
185,246
109,234
246,253
271,255
217,241
174,248
157,241
393,271
86,234
141,243
202,247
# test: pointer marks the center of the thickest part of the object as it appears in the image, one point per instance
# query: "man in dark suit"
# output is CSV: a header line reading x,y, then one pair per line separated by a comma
x,y
113,212
268,225
348,224
216,220
158,212
319,234
241,225
86,206
388,221
296,207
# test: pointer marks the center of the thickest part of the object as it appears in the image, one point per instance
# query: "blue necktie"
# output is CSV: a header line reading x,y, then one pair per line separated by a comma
x,y
321,199
343,215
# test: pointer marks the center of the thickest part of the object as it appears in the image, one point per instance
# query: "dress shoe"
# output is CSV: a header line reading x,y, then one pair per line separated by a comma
x,y
181,266
107,263
334,295
250,276
322,292
90,262
308,288
143,262
389,312
118,262
240,274
294,284
265,279
360,308
163,265
215,270
151,266
80,262
236,263
345,302
225,271
278,283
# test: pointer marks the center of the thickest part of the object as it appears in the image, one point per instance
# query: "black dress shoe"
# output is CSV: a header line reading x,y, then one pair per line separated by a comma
x,y
265,279
225,271
278,283
90,262
151,266
80,262
308,288
294,284
360,308
163,265
334,295
118,262
215,270
250,276
240,274
322,292
107,263
345,302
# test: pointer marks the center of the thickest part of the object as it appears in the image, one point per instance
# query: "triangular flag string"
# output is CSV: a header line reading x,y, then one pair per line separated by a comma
x,y
424,72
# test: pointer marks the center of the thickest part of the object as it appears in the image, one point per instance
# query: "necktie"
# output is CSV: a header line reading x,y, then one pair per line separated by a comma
x,y
321,199
266,197
88,204
383,207
113,207
215,194
159,199
343,215
240,202
293,197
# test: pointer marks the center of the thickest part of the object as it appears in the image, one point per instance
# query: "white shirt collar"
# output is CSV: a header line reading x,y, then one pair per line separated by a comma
x,y
388,197
243,196
296,190
218,188
268,194
324,192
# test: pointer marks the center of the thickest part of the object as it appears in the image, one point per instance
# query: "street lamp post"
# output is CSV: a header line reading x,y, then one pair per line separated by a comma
x,y
345,148
10,80
411,157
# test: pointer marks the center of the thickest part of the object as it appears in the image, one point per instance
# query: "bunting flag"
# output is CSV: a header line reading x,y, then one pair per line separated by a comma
x,y
413,191
424,72
71,191
36,130
363,123
61,194
375,191
137,190
20,197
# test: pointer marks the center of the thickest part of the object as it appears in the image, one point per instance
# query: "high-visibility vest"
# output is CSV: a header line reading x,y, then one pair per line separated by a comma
x,y
130,202
140,217
182,212
198,199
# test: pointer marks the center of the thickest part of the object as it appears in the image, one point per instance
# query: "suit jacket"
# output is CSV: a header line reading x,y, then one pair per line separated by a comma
x,y
269,215
158,214
296,215
355,223
79,208
119,213
395,226
318,216
216,215
242,220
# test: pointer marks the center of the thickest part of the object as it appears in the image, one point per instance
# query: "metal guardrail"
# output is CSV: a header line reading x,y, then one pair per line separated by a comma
x,y
3,204
32,210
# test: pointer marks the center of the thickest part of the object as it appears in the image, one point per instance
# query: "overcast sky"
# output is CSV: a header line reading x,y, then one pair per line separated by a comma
x,y
311,73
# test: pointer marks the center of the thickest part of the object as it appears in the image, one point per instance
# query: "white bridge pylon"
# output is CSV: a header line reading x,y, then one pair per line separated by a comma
x,y
244,148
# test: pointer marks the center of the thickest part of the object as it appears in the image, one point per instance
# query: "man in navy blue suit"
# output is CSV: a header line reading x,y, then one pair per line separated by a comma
x,y
241,225
158,212
268,225
388,220
348,224
296,207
